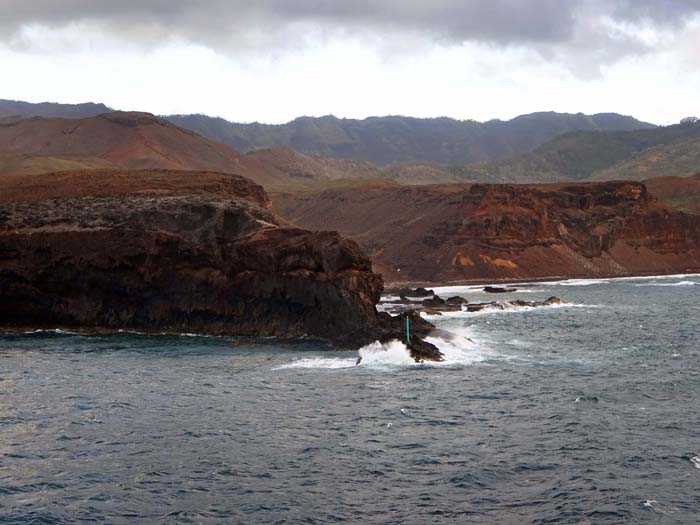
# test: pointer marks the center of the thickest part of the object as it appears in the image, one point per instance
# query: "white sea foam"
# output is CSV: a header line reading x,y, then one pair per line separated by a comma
x,y
459,350
457,347
589,282
51,331
464,314
682,283
386,354
396,298
579,282
319,362
695,460
446,291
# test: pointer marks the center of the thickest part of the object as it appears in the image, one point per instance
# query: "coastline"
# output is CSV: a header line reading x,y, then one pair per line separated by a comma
x,y
554,278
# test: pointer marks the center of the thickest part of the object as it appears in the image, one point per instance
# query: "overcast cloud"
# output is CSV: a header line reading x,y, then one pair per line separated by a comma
x,y
272,60
233,25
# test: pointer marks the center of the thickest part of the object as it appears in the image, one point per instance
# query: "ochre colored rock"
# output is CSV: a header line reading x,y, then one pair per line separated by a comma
x,y
462,232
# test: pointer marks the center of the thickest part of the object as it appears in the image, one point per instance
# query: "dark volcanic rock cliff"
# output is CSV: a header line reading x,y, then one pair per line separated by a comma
x,y
482,231
181,251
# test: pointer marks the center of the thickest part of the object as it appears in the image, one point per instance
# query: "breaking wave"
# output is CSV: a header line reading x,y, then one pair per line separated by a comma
x,y
457,347
319,362
56,331
589,282
682,283
463,314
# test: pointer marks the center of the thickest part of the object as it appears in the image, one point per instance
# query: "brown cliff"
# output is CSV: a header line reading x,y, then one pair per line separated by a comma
x,y
176,251
479,231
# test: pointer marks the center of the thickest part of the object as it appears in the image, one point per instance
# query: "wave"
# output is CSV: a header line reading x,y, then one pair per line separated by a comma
x,y
319,362
56,331
695,461
457,347
579,282
606,280
446,291
682,283
464,314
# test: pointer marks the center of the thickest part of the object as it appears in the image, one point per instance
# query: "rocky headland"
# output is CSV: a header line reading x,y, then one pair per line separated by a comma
x,y
179,251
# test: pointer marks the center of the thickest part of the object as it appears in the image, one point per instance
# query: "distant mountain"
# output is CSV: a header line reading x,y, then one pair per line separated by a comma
x,y
395,139
124,140
313,168
16,108
670,150
380,140
318,171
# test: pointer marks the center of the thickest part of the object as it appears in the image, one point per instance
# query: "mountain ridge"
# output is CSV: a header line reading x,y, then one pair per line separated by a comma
x,y
396,139
382,140
585,155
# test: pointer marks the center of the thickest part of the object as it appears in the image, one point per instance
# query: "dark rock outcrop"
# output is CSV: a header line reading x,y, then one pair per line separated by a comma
x,y
507,305
178,251
433,301
411,292
499,289
456,304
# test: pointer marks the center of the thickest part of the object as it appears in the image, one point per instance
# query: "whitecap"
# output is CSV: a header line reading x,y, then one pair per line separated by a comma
x,y
51,331
445,291
464,314
319,362
579,282
695,460
681,283
589,282
393,353
457,348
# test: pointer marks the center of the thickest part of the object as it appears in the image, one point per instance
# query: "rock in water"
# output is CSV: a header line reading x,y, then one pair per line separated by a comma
x,y
411,292
506,305
499,289
177,251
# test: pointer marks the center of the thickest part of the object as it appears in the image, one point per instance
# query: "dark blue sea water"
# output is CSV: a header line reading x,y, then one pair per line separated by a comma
x,y
582,413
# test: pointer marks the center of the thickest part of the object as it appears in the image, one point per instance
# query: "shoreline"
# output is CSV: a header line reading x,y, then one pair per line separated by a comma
x,y
82,330
554,278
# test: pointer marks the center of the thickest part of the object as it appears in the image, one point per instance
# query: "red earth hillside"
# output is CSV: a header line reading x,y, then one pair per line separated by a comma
x,y
481,231
123,140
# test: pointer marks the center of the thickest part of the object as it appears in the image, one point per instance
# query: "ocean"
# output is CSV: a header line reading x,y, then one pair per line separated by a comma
x,y
584,412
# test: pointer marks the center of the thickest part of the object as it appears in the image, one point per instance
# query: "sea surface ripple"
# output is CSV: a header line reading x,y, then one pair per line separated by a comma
x,y
583,413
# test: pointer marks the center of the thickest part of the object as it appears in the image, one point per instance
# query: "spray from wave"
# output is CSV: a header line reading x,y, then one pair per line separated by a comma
x,y
458,349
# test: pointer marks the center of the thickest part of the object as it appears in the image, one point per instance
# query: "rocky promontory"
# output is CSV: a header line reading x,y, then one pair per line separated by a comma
x,y
177,251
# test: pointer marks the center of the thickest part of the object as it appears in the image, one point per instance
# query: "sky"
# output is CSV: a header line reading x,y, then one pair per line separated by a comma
x,y
274,60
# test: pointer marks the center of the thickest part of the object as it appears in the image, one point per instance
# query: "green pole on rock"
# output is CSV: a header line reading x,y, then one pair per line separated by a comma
x,y
408,330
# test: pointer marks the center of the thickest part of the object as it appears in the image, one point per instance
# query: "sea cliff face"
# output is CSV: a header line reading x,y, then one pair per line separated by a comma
x,y
481,231
176,251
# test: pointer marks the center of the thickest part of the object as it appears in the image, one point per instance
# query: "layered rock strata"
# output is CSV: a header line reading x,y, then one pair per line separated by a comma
x,y
466,232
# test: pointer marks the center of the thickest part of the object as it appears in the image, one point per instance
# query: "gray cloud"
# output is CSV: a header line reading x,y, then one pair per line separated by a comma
x,y
572,26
